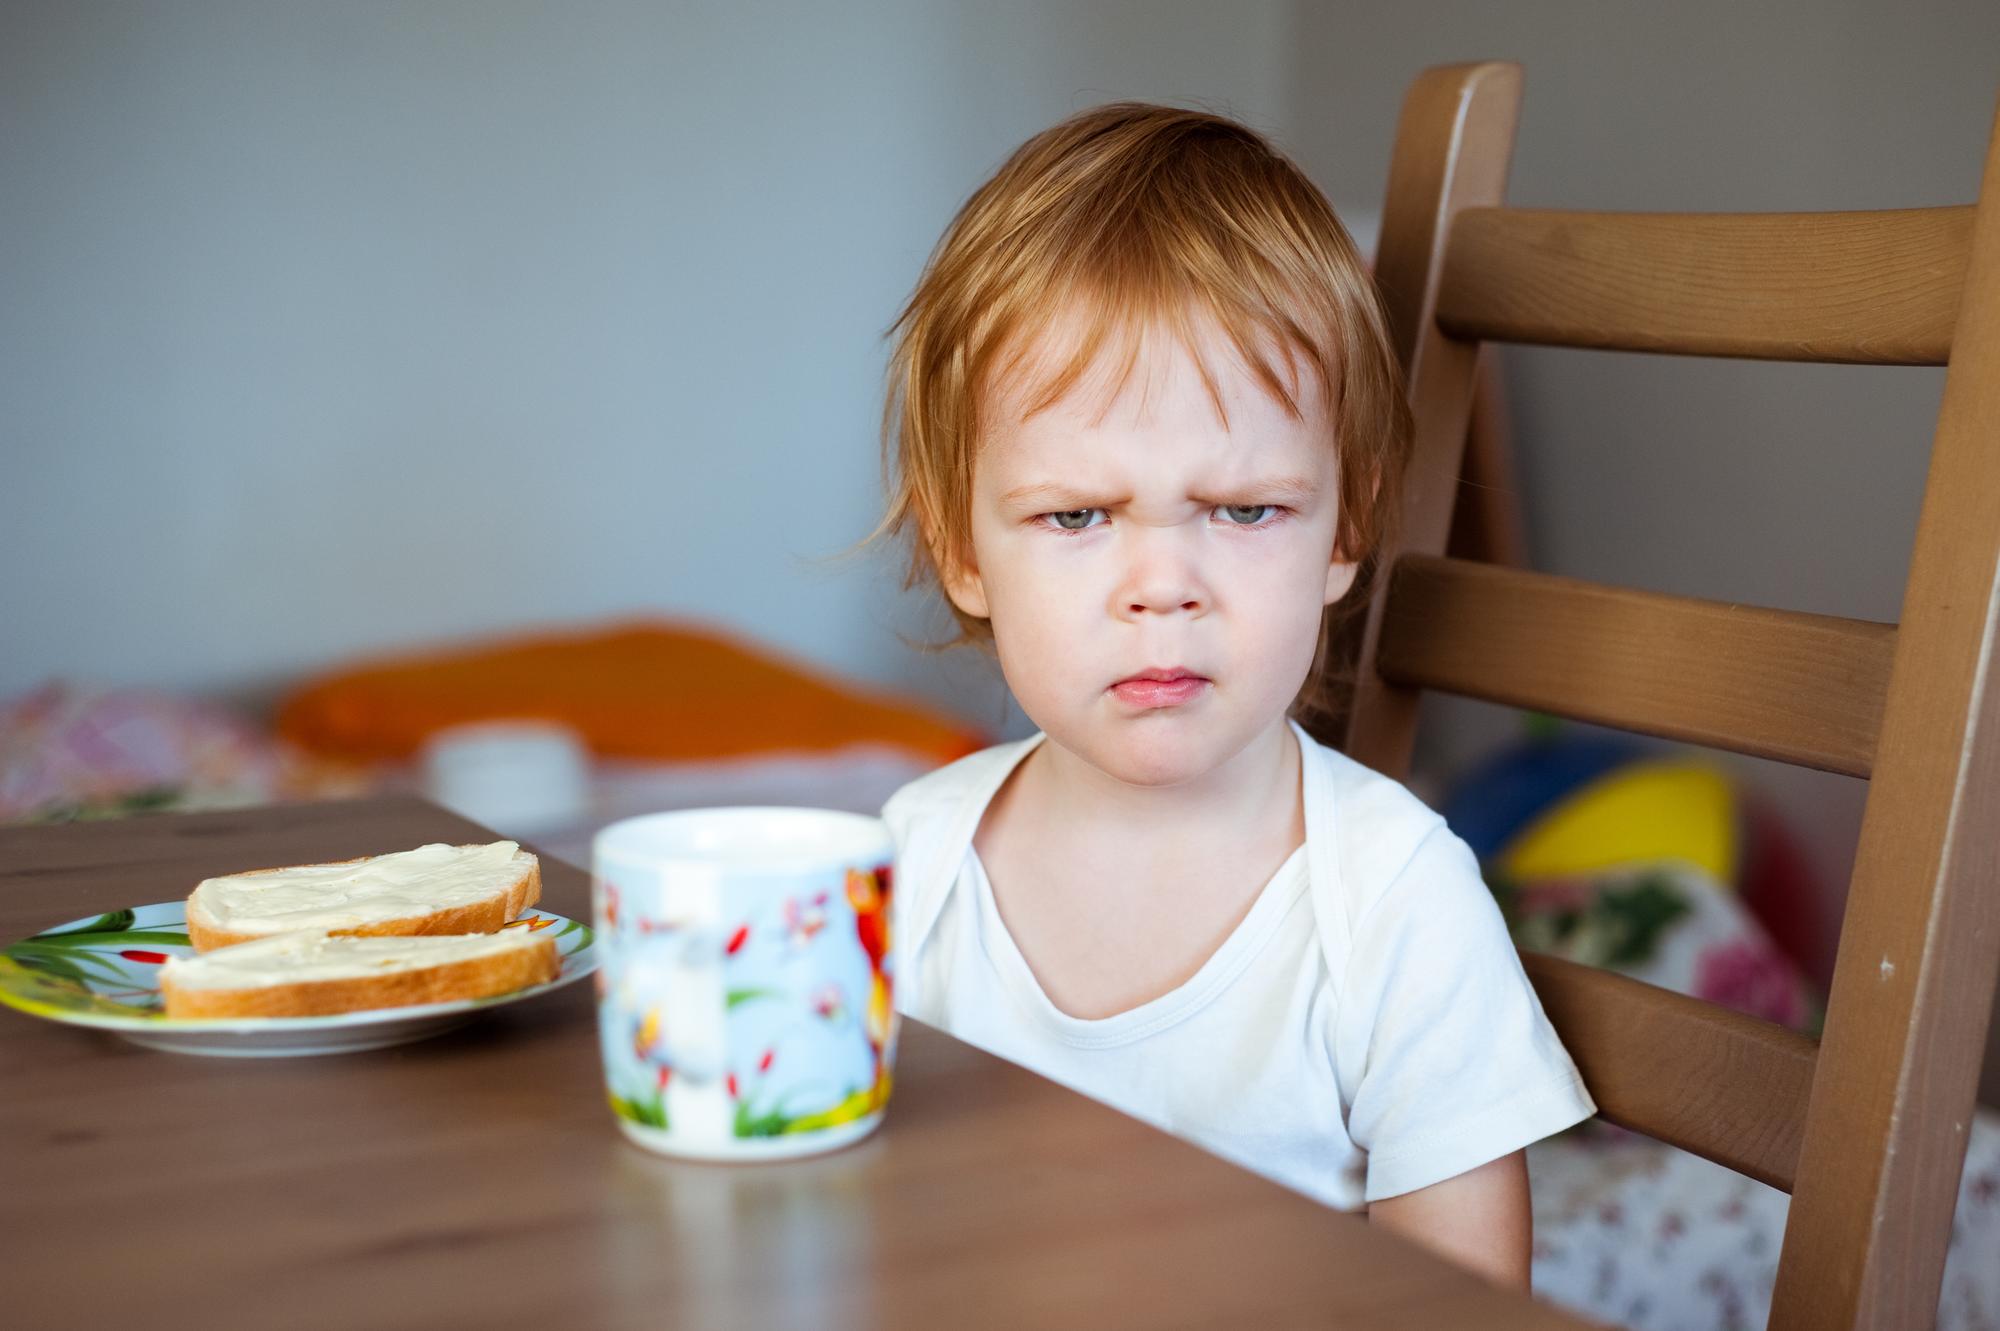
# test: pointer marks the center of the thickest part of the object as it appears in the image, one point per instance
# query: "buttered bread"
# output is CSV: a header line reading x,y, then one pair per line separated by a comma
x,y
434,889
310,973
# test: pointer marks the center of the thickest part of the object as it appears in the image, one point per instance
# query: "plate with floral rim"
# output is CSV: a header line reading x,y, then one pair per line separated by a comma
x,y
102,971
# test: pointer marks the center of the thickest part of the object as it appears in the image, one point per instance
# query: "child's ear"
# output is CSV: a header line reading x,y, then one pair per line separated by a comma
x,y
1340,575
963,584
1345,567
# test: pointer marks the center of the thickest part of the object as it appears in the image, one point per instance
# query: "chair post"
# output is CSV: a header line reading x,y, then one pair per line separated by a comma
x,y
1454,142
1893,1093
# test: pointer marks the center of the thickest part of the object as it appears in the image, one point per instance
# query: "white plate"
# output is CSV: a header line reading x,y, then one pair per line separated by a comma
x,y
103,971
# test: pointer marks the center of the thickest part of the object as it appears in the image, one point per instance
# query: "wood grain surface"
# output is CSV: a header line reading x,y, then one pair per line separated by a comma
x,y
1873,288
1781,684
1739,1085
1454,142
477,1180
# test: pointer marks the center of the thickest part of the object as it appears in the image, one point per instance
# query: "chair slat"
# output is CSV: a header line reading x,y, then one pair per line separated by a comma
x,y
1878,288
1730,1088
1805,689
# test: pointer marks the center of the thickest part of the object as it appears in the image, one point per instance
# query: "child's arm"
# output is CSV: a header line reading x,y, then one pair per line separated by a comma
x,y
1479,1219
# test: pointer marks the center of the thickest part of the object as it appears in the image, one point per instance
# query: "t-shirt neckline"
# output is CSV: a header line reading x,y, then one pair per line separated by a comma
x,y
1217,972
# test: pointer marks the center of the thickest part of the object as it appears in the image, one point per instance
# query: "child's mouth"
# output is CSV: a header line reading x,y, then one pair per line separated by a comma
x,y
1159,688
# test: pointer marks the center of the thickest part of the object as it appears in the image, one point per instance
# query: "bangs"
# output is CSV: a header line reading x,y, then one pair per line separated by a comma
x,y
1178,242
1090,337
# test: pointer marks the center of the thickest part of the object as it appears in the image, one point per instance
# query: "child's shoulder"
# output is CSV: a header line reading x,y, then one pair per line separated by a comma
x,y
949,786
1367,796
931,819
1377,824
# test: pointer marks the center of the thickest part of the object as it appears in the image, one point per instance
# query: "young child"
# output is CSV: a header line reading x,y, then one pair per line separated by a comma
x,y
1148,426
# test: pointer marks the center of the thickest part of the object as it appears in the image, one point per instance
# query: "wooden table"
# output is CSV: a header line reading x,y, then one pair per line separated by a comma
x,y
475,1180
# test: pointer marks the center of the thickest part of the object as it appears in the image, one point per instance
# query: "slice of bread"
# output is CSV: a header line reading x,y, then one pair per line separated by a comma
x,y
434,889
311,973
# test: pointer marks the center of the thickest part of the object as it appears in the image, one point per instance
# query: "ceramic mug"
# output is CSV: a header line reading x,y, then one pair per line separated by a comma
x,y
744,999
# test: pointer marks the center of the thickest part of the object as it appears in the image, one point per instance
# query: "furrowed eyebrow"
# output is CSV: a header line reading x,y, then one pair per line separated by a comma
x,y
1051,497
1047,497
1289,490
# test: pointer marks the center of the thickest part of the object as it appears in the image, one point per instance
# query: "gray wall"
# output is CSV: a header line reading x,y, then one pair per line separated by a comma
x,y
330,328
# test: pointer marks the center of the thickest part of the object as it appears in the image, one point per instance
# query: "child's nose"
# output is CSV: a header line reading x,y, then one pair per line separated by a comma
x,y
1162,583
1164,603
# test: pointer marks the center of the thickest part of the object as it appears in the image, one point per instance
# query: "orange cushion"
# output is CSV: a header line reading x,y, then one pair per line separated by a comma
x,y
648,690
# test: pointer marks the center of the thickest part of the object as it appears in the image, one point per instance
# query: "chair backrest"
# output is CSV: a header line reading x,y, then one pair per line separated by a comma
x,y
1867,1126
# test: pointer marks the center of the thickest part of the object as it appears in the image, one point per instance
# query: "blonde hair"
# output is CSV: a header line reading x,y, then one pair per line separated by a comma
x,y
1134,215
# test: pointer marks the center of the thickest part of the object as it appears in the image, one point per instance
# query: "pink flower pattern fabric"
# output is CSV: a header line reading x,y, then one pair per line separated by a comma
x,y
1751,976
73,751
1635,1233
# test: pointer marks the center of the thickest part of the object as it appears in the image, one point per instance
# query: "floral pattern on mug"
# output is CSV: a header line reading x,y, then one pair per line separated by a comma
x,y
804,957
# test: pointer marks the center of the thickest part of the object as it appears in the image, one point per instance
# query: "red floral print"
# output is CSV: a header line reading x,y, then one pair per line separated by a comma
x,y
1747,976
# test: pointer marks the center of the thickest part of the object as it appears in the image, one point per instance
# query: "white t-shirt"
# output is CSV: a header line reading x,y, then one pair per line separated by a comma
x,y
1366,1029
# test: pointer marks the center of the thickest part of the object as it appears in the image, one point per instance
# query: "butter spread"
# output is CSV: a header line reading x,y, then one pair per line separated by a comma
x,y
312,954
397,886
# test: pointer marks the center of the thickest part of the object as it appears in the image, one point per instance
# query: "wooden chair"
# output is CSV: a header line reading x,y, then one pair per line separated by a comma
x,y
1867,1127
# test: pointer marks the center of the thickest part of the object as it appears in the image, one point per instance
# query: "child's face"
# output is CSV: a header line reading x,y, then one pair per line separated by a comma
x,y
1151,537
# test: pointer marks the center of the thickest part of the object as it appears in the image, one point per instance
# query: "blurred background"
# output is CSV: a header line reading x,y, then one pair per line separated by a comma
x,y
337,331
369,371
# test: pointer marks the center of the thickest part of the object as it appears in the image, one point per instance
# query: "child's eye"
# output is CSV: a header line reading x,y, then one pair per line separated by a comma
x,y
1247,515
1074,519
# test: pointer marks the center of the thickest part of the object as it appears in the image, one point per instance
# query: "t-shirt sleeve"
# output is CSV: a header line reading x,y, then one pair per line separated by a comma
x,y
1449,1057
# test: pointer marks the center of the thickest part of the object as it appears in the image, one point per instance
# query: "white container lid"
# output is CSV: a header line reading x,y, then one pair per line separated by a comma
x,y
516,777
